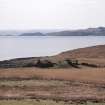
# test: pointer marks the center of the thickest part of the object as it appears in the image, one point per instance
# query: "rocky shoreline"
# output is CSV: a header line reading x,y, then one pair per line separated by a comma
x,y
90,56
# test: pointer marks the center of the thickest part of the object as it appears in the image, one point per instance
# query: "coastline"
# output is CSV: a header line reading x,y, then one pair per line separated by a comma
x,y
75,77
93,55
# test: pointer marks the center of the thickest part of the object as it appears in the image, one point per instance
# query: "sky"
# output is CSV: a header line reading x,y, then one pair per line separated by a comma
x,y
51,14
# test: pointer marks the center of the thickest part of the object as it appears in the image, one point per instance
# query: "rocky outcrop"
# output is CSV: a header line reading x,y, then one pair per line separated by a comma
x,y
39,62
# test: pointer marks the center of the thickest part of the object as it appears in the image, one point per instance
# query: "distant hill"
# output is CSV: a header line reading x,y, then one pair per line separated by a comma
x,y
100,31
32,34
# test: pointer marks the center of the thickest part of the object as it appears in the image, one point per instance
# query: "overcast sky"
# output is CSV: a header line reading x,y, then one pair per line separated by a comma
x,y
47,14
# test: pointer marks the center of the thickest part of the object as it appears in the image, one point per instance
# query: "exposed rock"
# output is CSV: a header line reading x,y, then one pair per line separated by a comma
x,y
44,63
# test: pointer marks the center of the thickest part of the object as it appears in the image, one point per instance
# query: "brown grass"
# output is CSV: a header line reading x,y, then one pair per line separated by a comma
x,y
84,74
82,85
88,52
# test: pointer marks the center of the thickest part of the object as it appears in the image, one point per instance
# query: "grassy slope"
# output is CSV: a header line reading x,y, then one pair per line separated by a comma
x,y
88,52
91,55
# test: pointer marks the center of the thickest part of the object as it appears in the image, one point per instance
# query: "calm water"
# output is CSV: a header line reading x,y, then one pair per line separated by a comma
x,y
14,47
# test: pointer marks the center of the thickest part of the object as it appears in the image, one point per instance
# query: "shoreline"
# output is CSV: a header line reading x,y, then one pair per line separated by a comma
x,y
92,56
75,77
